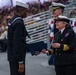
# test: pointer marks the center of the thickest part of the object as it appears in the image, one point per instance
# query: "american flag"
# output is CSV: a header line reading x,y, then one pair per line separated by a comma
x,y
51,29
73,23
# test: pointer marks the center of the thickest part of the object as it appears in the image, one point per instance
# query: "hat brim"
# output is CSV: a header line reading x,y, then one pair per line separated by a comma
x,y
56,7
63,19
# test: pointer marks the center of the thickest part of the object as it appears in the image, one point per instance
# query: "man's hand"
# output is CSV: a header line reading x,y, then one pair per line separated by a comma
x,y
37,53
44,51
21,68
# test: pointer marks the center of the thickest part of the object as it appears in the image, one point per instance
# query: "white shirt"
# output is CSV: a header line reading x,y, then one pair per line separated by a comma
x,y
62,30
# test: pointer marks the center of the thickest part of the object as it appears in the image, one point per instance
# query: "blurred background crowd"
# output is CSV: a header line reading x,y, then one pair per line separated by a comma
x,y
34,8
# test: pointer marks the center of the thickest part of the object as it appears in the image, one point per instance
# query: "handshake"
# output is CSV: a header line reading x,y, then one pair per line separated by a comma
x,y
54,45
43,51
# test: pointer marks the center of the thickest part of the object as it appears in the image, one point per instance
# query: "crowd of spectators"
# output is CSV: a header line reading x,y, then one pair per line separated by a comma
x,y
34,8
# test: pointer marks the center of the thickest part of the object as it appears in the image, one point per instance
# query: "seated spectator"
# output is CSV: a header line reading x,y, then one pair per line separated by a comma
x,y
72,14
3,40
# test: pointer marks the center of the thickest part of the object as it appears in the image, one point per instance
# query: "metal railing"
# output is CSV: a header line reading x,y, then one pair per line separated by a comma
x,y
36,25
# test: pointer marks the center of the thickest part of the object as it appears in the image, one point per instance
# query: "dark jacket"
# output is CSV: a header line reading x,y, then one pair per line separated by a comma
x,y
55,30
66,38
16,39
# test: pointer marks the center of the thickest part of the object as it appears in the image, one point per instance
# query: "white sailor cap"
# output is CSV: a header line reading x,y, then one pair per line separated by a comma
x,y
57,5
22,4
62,18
